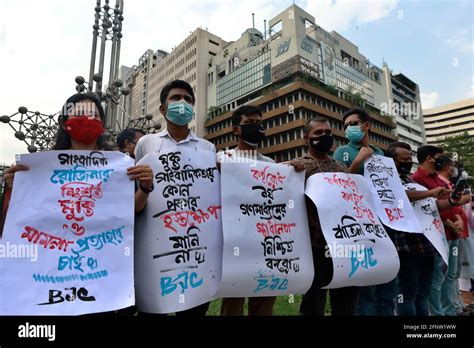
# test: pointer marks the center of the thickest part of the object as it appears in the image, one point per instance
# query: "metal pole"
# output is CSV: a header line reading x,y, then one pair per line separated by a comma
x,y
105,24
95,34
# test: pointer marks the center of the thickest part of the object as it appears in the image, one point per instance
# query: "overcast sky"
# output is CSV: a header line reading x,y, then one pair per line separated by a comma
x,y
45,44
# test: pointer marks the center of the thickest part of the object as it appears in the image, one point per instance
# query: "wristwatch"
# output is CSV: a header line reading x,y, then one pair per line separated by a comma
x,y
147,191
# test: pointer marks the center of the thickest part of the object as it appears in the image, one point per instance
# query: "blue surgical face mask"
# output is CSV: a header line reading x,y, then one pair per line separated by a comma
x,y
354,134
180,113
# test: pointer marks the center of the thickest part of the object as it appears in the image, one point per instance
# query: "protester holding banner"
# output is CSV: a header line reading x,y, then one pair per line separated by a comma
x,y
81,128
248,129
319,139
177,102
414,249
357,126
429,158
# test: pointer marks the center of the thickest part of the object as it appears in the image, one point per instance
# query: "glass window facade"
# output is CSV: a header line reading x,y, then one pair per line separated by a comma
x,y
350,79
251,76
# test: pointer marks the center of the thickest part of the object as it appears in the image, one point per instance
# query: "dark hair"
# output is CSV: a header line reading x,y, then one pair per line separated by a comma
x,y
175,84
427,150
244,110
127,134
446,161
363,115
392,148
319,119
63,140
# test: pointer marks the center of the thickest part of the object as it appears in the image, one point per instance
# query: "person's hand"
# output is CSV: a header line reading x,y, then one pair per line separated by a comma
x,y
143,174
299,166
10,173
438,192
458,227
465,199
365,152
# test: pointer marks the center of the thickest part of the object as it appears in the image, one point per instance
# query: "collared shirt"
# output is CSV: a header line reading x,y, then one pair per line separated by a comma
x,y
407,242
431,181
162,140
313,166
347,153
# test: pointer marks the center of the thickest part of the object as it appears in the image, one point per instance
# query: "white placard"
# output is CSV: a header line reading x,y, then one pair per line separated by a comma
x,y
428,216
267,248
362,252
179,234
74,210
391,202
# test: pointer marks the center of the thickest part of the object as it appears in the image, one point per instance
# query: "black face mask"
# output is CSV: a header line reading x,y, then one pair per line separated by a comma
x,y
404,168
322,144
438,164
252,133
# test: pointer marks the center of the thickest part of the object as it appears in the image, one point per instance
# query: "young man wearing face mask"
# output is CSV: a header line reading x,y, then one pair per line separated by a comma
x,y
412,287
177,103
357,127
430,159
457,222
248,129
319,139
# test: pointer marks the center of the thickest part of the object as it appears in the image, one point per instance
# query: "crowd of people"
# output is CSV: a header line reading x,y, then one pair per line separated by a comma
x,y
424,285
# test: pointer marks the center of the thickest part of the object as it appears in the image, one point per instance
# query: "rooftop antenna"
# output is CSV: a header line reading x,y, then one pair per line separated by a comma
x,y
253,20
264,29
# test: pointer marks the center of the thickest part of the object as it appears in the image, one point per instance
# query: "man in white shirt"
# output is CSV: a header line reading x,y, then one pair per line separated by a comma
x,y
177,102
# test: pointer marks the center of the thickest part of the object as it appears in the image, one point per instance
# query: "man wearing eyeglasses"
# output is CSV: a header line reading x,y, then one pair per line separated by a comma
x,y
357,125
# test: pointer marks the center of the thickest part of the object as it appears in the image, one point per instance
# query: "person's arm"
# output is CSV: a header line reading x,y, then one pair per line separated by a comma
x,y
364,153
417,195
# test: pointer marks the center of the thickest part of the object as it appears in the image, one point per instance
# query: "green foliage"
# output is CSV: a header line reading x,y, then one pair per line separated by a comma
x,y
463,146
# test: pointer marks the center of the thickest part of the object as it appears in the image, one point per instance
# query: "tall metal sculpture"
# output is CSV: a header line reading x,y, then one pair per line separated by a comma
x,y
37,130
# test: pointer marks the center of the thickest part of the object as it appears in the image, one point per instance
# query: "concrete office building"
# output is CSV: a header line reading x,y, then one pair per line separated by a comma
x,y
294,73
404,104
188,61
449,120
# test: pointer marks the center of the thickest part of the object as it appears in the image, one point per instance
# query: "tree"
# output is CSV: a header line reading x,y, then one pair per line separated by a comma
x,y
462,147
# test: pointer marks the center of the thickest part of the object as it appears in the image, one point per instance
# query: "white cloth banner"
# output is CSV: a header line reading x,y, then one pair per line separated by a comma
x,y
391,202
362,252
430,220
179,234
72,212
267,248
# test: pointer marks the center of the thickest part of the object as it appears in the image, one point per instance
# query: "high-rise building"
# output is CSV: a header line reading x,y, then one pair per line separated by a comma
x,y
404,104
188,61
449,120
294,73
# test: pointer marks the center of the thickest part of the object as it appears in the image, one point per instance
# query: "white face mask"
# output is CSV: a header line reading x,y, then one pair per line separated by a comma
x,y
455,173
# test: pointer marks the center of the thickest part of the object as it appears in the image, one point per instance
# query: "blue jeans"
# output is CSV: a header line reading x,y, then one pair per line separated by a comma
x,y
448,290
366,305
385,296
414,280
